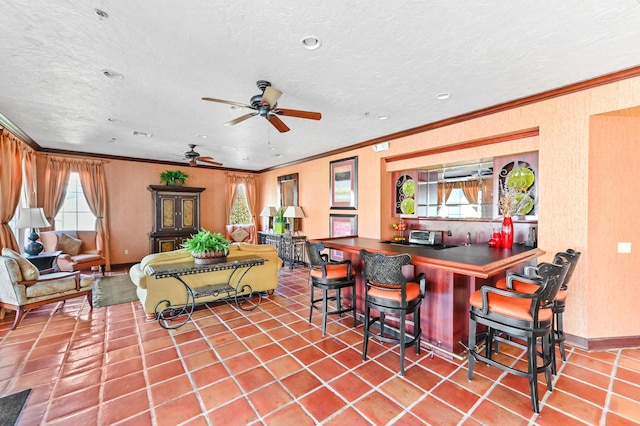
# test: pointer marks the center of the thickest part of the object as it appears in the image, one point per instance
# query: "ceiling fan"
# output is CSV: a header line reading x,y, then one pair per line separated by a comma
x,y
266,105
194,157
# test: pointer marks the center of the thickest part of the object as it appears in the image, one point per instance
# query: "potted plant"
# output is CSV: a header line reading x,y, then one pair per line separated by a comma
x,y
173,177
207,247
279,221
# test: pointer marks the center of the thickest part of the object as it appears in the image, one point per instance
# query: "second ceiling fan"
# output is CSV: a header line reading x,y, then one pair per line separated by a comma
x,y
266,105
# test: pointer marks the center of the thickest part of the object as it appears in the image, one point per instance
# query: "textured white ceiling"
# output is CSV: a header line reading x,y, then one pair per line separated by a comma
x,y
377,57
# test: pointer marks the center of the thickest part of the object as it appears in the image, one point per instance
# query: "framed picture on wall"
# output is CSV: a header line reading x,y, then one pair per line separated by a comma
x,y
344,183
342,225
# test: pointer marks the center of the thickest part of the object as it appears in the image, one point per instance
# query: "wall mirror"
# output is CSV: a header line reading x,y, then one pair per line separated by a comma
x,y
288,190
468,190
460,191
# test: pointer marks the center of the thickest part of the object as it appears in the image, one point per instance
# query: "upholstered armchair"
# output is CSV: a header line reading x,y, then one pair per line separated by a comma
x,y
79,249
23,288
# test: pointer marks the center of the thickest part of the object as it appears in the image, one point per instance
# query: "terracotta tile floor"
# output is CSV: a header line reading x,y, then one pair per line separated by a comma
x,y
228,367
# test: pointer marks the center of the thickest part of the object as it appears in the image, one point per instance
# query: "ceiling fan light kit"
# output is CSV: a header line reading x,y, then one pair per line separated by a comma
x,y
265,105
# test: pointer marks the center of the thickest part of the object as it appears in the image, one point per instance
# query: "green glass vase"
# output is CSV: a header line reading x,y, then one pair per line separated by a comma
x,y
278,227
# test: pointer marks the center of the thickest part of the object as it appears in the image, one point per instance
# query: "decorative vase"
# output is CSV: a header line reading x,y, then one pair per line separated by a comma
x,y
209,257
506,236
278,227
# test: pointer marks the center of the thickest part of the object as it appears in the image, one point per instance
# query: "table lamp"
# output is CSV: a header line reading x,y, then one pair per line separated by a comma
x,y
33,218
269,212
295,213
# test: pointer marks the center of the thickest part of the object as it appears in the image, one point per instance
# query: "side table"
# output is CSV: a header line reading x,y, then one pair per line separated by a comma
x,y
45,261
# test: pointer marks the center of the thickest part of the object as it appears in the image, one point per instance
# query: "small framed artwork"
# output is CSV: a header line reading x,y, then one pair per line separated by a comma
x,y
344,183
342,225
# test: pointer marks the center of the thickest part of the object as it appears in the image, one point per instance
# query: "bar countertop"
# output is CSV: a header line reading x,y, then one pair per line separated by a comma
x,y
476,260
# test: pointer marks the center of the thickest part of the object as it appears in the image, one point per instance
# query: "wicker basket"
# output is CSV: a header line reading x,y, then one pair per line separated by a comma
x,y
209,257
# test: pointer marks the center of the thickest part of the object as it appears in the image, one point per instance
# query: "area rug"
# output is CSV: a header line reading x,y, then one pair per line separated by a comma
x,y
11,407
113,290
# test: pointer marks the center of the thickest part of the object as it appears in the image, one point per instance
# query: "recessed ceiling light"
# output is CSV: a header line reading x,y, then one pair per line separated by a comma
x,y
112,74
112,140
442,96
310,42
382,117
272,148
113,120
277,155
236,107
246,159
101,14
201,136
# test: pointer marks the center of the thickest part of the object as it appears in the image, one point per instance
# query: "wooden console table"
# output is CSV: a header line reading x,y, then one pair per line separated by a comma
x,y
240,293
290,247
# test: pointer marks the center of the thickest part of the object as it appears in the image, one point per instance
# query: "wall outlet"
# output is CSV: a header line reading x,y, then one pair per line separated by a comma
x,y
624,247
126,252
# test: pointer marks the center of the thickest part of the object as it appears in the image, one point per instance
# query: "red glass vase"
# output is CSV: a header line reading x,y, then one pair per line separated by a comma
x,y
506,236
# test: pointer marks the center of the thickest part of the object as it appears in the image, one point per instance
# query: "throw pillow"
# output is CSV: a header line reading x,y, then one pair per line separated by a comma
x,y
239,235
27,269
69,245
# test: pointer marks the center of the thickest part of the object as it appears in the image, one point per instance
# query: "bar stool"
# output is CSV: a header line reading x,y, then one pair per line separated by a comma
x,y
387,290
329,276
559,304
526,316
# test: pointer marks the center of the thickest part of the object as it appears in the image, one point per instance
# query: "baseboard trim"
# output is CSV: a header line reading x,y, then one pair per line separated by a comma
x,y
603,343
125,266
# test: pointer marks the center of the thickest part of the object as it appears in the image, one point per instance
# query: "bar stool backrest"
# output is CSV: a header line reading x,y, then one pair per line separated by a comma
x,y
314,255
385,270
572,257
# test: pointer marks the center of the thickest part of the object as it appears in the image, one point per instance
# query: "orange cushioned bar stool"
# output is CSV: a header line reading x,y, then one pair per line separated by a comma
x,y
329,276
388,291
515,315
559,303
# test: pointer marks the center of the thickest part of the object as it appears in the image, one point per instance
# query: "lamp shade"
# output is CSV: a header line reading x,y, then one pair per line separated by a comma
x,y
32,218
268,211
294,211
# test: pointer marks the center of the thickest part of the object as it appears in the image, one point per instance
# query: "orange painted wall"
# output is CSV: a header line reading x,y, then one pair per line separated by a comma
x,y
131,209
313,193
613,208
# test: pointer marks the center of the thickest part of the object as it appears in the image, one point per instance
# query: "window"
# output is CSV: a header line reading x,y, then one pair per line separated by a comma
x,y
240,211
75,213
457,205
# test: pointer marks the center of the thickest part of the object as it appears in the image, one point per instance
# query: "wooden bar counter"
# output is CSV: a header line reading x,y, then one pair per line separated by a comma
x,y
453,274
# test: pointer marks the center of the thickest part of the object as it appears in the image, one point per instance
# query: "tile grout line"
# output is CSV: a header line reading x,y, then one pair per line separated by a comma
x,y
309,343
145,373
50,399
483,397
605,409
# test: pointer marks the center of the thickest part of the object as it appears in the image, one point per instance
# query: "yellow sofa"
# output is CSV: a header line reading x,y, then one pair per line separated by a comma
x,y
150,290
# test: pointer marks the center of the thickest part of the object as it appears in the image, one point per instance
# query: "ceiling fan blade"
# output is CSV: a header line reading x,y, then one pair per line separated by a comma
x,y
298,113
240,119
228,102
209,161
277,123
270,96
